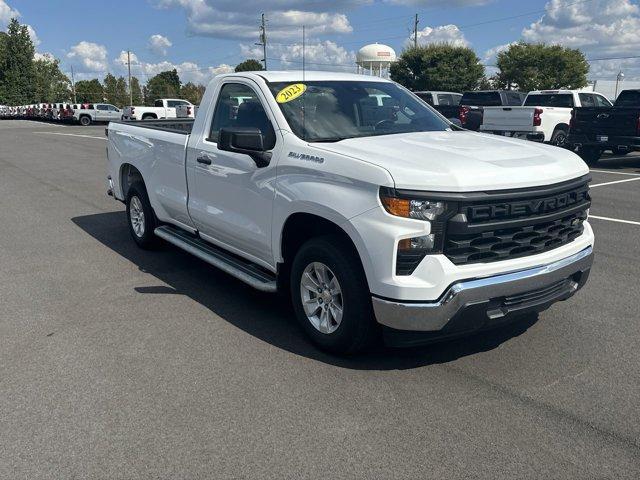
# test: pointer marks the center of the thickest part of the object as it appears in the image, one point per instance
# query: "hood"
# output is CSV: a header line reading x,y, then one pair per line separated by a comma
x,y
462,161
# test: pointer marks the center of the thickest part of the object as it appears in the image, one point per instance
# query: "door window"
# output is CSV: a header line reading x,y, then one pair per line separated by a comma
x,y
427,97
445,99
102,107
158,103
175,103
239,106
586,100
601,101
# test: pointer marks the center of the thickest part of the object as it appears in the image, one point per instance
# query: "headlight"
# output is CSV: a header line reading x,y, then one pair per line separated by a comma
x,y
411,251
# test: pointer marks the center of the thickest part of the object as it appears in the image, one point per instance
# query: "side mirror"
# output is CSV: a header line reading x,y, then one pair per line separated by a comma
x,y
249,141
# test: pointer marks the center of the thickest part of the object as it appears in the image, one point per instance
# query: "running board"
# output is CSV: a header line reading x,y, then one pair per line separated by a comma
x,y
243,270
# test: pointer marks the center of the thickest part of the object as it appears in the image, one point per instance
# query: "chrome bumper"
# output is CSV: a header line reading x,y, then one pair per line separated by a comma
x,y
489,299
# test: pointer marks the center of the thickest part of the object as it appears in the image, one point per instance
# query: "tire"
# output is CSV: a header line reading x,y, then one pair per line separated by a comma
x,y
619,152
140,217
346,325
149,117
559,138
590,155
85,120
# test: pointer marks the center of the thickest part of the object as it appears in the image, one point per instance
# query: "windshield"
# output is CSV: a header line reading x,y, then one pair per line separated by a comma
x,y
330,111
628,98
549,100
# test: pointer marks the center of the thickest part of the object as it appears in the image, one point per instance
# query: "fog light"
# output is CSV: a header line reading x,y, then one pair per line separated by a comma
x,y
411,251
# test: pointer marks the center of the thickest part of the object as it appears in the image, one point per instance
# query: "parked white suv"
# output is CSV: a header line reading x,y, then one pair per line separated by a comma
x,y
375,217
544,116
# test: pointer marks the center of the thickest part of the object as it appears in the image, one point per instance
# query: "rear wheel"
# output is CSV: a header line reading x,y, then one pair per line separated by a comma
x,y
330,296
559,138
141,218
85,120
590,155
619,151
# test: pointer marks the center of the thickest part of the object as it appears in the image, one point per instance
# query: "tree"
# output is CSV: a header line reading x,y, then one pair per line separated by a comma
x,y
89,91
115,90
536,66
51,85
438,67
250,65
136,91
192,92
17,74
165,84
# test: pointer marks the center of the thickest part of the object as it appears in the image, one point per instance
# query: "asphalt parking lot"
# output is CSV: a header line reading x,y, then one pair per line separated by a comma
x,y
121,363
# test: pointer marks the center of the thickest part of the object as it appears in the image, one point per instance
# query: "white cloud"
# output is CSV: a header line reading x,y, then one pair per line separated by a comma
x,y
232,18
44,56
6,14
439,3
92,57
325,55
159,44
450,34
188,71
33,35
600,28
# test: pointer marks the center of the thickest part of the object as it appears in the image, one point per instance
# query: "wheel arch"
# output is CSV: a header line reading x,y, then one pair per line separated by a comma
x,y
302,226
129,174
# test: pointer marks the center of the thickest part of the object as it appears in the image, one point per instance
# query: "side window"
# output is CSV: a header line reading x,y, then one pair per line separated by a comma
x,y
586,100
444,99
456,99
239,106
158,103
427,97
175,103
102,107
601,101
514,98
112,108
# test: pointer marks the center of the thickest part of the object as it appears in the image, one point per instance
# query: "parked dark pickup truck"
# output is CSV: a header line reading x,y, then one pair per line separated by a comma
x,y
447,103
596,129
472,105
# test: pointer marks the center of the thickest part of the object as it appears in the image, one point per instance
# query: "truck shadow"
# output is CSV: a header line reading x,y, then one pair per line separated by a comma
x,y
613,162
267,317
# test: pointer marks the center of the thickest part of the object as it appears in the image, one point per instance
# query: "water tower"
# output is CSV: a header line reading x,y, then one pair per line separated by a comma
x,y
375,59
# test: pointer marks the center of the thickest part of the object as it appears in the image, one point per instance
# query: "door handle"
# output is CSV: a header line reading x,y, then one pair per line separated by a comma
x,y
204,159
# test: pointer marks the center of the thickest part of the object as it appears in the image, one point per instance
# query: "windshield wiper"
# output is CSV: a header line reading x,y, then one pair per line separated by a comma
x,y
328,139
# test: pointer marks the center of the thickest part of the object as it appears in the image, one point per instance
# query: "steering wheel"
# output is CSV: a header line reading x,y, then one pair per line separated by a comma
x,y
385,124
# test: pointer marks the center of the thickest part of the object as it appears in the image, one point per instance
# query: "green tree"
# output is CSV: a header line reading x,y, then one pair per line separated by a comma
x,y
438,67
17,73
115,90
192,92
250,65
164,85
136,91
536,66
51,85
90,91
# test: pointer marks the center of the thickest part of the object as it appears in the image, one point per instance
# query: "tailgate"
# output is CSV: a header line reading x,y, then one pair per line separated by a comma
x,y
508,118
614,121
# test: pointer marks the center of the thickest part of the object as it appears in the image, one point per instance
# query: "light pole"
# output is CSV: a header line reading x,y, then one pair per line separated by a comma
x,y
619,78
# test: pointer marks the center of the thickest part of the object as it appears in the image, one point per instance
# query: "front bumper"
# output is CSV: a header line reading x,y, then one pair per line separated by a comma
x,y
480,303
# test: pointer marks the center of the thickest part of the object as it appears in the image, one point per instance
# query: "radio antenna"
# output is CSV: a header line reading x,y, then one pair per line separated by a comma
x,y
304,97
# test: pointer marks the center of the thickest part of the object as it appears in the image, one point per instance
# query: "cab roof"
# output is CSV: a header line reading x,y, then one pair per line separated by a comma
x,y
311,76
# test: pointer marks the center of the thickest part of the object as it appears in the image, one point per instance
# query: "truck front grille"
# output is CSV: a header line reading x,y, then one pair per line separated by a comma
x,y
528,223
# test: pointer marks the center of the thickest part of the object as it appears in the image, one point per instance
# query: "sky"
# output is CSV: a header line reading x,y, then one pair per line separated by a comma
x,y
201,38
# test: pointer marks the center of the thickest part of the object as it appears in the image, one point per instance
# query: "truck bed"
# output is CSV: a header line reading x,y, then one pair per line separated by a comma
x,y
174,125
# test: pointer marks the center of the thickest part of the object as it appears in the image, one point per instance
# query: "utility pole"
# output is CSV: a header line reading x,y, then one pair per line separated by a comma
x,y
263,40
415,32
129,66
73,86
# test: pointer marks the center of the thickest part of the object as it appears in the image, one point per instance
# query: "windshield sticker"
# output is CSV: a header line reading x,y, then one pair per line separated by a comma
x,y
290,92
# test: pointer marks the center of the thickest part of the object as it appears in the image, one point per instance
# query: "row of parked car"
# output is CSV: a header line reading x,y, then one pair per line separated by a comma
x,y
581,120
88,113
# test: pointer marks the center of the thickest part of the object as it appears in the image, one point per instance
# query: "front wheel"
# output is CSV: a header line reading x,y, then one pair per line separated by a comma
x,y
141,218
590,155
331,297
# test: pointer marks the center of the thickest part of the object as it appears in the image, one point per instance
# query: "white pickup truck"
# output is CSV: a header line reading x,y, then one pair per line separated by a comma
x,y
96,112
377,218
162,108
544,116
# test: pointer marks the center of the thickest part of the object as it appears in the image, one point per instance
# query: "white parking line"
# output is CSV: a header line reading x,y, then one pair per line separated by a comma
x,y
616,181
78,135
614,220
616,173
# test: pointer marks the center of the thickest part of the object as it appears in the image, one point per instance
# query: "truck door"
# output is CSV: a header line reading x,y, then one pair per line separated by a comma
x,y
102,112
230,198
